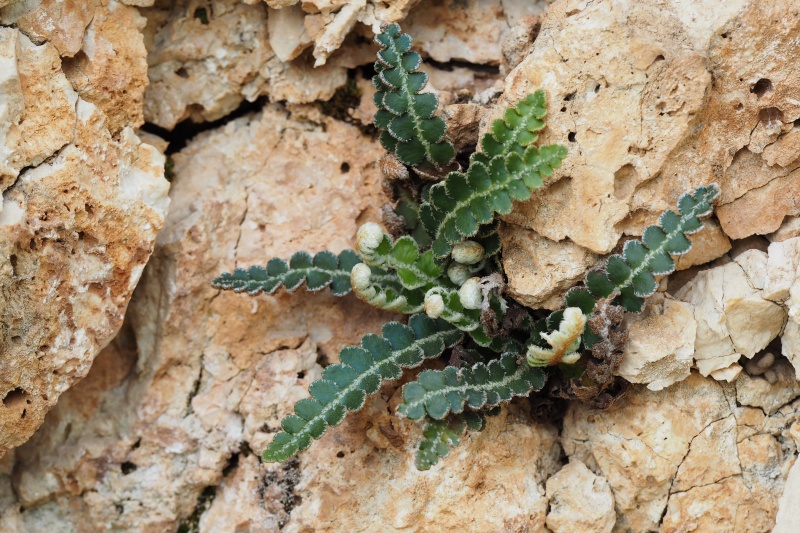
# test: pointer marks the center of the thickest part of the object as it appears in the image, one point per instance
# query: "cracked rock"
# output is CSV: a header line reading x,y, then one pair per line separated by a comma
x,y
83,200
688,453
579,501
630,93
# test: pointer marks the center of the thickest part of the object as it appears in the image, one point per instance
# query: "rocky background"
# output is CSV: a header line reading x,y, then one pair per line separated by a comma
x,y
148,413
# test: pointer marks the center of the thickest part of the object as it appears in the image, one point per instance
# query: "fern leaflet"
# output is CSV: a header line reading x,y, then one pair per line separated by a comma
x,y
630,277
440,436
323,270
384,293
457,208
414,269
440,392
518,129
345,386
405,117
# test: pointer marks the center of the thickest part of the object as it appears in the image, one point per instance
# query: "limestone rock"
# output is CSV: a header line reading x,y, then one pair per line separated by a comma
x,y
689,452
83,201
769,393
733,319
661,343
539,270
77,231
61,23
783,269
788,230
112,70
190,78
467,31
508,495
579,501
36,97
611,64
708,244
788,520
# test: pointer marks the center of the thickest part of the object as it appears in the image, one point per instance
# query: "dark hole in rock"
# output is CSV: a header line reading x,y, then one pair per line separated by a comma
x,y
128,467
571,136
345,168
762,87
15,398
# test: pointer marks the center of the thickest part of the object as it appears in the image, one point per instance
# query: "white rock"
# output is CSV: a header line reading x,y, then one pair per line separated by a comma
x,y
661,344
783,268
732,317
579,501
788,519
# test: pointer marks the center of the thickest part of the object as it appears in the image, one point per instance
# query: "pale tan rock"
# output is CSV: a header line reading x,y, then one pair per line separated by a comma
x,y
638,446
36,97
687,452
712,456
708,244
790,344
754,263
788,520
760,392
112,71
287,32
783,268
59,22
728,374
539,270
204,71
579,501
466,31
733,319
518,41
331,38
710,508
789,229
508,496
660,346
77,230
607,65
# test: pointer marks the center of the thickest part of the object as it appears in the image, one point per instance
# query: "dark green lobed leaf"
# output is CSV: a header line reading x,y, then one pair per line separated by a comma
x,y
345,386
317,272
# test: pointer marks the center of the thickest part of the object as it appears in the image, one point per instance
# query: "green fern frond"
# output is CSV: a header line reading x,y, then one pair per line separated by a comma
x,y
385,291
440,392
518,129
414,269
630,277
345,386
408,209
405,117
323,270
457,208
441,436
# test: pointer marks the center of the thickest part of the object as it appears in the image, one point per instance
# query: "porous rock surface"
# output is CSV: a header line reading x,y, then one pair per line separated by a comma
x,y
654,98
203,377
83,199
164,432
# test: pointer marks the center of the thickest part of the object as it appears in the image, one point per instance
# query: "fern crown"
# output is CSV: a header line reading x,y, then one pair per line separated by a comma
x,y
440,264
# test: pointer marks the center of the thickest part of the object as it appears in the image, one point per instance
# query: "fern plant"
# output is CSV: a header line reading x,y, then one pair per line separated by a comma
x,y
445,272
405,115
